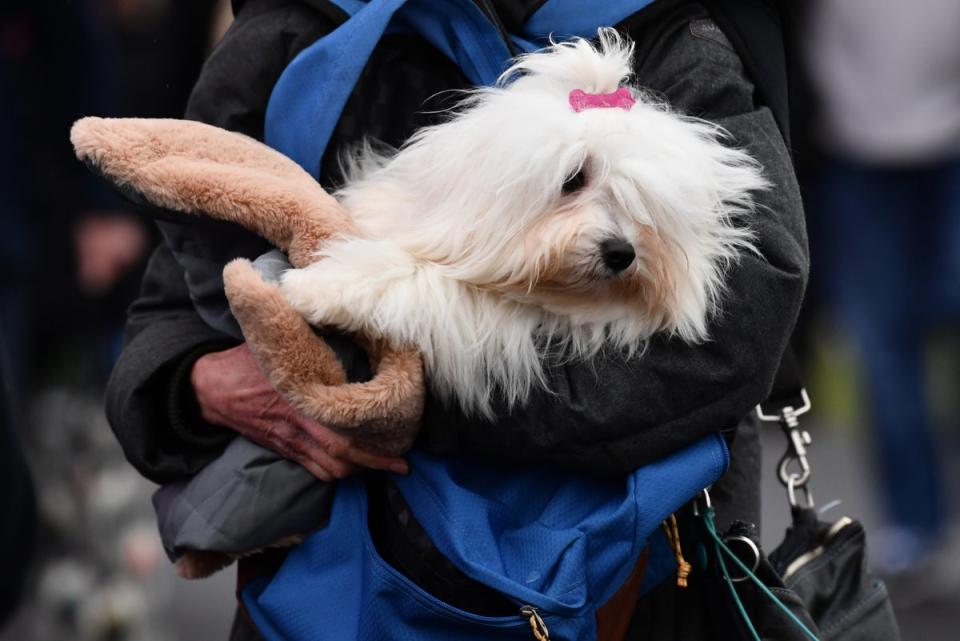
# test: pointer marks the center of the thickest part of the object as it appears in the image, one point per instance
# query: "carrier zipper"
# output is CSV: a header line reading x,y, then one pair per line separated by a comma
x,y
537,626
818,551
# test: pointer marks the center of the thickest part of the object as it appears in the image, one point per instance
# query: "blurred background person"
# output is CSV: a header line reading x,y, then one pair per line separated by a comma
x,y
884,212
68,244
71,255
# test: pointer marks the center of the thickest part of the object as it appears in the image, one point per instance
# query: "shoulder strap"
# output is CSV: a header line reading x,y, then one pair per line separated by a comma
x,y
312,91
758,30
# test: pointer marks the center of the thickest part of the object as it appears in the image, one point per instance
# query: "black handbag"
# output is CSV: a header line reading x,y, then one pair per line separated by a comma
x,y
815,585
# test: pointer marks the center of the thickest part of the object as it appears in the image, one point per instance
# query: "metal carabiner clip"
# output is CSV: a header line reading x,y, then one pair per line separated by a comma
x,y
788,415
704,496
793,486
790,456
797,442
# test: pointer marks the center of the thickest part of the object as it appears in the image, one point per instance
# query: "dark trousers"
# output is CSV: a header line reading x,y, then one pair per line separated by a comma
x,y
888,241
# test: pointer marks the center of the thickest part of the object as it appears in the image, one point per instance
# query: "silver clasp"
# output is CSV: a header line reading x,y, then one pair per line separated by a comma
x,y
797,442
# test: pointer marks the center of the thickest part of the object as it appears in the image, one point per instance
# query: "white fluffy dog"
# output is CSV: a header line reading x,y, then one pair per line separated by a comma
x,y
556,211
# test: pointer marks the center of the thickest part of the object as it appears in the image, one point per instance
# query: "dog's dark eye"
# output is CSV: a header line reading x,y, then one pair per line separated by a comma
x,y
575,182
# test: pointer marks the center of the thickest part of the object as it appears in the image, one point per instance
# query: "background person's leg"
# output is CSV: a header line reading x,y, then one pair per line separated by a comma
x,y
875,264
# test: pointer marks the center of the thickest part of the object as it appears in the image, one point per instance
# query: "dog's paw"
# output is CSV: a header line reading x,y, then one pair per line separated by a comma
x,y
317,295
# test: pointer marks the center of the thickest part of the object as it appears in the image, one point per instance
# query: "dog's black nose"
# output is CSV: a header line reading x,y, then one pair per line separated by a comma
x,y
617,254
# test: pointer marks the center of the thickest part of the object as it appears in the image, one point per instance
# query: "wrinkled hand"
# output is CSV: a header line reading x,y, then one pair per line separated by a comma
x,y
234,392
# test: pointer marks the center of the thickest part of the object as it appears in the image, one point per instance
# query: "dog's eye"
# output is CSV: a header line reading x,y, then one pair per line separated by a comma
x,y
575,182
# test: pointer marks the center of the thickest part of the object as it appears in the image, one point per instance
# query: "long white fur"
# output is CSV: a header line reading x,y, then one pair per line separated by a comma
x,y
472,254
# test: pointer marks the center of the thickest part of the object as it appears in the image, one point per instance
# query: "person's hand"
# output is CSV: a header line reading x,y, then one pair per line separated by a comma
x,y
107,245
233,392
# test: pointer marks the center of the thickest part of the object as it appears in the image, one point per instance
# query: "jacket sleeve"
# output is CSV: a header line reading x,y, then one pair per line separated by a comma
x,y
149,401
614,414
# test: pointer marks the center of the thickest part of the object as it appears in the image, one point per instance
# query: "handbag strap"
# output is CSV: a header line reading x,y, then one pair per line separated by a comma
x,y
789,400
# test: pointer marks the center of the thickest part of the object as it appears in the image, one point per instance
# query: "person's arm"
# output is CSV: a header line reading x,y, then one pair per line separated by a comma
x,y
181,390
147,398
614,414
150,402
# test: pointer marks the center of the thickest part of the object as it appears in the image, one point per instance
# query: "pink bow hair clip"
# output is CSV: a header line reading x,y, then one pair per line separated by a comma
x,y
621,98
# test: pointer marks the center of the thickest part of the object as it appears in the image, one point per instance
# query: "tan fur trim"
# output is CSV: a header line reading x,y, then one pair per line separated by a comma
x,y
199,169
282,342
196,168
385,411
199,564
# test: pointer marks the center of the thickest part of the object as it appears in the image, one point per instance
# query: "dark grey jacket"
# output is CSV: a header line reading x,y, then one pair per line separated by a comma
x,y
608,415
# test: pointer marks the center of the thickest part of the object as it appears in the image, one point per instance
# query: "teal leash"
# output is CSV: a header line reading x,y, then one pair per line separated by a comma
x,y
733,592
721,548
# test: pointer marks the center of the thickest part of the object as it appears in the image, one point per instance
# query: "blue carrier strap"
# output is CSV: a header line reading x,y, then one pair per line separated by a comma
x,y
559,542
310,95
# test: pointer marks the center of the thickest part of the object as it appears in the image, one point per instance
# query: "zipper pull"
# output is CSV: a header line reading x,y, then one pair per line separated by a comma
x,y
537,626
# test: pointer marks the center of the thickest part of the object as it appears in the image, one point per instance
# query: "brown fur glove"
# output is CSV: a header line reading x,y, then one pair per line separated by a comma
x,y
195,168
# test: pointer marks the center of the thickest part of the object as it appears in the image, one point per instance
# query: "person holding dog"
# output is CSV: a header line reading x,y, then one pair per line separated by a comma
x,y
183,388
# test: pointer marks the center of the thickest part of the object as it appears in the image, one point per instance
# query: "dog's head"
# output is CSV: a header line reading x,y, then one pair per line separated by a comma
x,y
564,189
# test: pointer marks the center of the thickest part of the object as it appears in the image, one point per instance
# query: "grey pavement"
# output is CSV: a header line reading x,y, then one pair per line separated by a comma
x,y
203,610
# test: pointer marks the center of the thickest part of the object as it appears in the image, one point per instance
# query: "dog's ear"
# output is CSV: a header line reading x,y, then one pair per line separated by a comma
x,y
195,168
